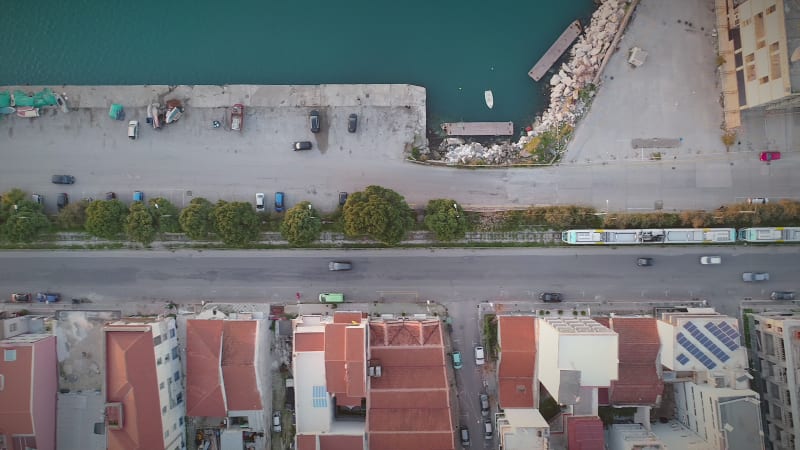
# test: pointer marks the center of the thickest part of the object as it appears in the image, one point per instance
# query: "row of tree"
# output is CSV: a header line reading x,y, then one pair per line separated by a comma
x,y
379,213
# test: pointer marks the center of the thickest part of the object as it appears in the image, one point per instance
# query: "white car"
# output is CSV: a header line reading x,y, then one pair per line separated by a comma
x,y
133,129
480,357
711,260
260,201
276,422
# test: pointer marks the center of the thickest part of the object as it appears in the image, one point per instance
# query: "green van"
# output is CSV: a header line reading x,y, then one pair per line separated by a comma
x,y
329,297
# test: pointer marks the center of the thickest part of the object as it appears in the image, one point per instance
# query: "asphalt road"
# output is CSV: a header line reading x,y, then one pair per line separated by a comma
x,y
583,275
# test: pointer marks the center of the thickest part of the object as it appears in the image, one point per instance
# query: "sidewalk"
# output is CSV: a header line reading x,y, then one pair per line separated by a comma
x,y
177,240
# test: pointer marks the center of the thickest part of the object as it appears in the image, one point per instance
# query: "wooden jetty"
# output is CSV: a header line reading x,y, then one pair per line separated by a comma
x,y
555,51
479,128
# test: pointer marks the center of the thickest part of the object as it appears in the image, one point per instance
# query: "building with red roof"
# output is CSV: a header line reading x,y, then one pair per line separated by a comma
x,y
28,390
585,433
640,380
143,385
517,361
223,355
378,385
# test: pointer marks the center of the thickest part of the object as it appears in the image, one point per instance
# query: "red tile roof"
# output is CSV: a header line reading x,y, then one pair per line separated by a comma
x,y
585,433
228,345
409,405
340,442
639,382
306,442
348,317
517,341
309,342
345,355
131,380
28,398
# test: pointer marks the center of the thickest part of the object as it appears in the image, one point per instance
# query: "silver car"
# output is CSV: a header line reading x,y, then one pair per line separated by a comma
x,y
340,265
755,276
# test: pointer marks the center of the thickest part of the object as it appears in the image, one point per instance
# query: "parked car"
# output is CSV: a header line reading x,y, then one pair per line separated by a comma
x,y
644,262
755,276
782,295
138,196
48,297
550,297
260,201
456,356
769,156
276,422
339,265
19,297
63,179
302,145
279,202
111,195
352,123
485,408
237,117
342,198
480,356
758,200
464,431
133,129
62,200
710,260
38,199
488,433
313,118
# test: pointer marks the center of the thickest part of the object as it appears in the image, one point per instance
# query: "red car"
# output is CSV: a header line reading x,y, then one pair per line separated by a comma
x,y
770,156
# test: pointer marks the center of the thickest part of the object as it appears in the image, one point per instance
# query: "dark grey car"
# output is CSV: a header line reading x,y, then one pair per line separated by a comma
x,y
782,295
352,123
315,122
63,179
550,297
62,200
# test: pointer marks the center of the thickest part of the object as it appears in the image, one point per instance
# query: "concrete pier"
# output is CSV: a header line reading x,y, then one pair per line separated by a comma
x,y
479,128
555,51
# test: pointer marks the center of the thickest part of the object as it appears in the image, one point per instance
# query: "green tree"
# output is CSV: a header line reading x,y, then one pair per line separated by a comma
x,y
446,219
140,225
106,218
73,216
165,215
236,223
197,219
25,223
378,212
9,199
301,225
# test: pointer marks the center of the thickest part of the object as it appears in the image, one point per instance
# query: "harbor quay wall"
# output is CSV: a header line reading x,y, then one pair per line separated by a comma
x,y
250,95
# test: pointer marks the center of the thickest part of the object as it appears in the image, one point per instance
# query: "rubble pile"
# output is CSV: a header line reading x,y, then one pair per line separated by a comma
x,y
585,59
475,153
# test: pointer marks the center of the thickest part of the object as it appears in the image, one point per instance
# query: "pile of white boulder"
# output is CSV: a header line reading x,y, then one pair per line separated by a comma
x,y
475,153
586,56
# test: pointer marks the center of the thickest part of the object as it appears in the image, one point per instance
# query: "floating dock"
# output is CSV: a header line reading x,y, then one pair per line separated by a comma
x,y
556,50
479,128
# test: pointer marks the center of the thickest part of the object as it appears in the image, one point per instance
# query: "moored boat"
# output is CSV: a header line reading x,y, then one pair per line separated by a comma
x,y
489,97
27,111
237,117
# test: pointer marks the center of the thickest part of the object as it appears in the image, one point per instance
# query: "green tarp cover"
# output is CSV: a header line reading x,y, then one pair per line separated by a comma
x,y
44,98
5,99
22,99
115,112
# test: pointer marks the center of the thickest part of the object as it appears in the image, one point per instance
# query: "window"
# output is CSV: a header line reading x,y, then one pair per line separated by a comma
x,y
172,332
179,398
159,362
10,355
177,375
771,9
166,358
13,327
163,410
157,341
174,426
161,386
180,420
164,337
166,434
175,352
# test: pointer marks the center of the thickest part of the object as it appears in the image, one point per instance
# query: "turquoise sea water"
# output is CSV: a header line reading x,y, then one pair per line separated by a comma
x,y
455,49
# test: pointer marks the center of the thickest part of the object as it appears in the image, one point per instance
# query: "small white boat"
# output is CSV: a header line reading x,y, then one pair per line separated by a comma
x,y
62,103
27,111
489,99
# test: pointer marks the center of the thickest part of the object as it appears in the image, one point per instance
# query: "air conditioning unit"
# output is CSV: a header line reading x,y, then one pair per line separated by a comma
x,y
375,371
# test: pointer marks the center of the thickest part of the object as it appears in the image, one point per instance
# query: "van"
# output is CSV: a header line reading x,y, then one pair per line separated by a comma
x,y
480,357
487,430
330,297
133,129
279,202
